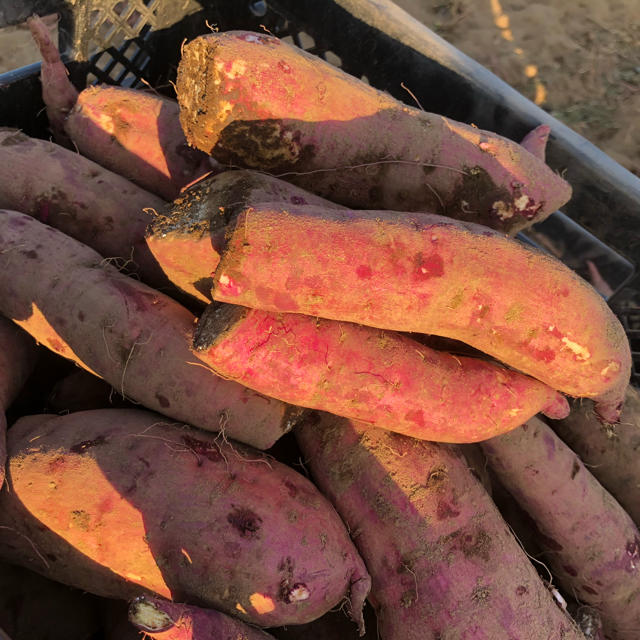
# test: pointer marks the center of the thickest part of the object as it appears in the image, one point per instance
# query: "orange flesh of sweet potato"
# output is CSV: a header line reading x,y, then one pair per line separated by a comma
x,y
425,273
593,545
376,376
118,502
443,562
134,337
252,100
187,235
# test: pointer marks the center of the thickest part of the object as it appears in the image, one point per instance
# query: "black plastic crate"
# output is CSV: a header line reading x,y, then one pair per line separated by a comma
x,y
137,43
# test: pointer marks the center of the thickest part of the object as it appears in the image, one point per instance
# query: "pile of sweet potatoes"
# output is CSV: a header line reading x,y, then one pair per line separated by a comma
x,y
261,366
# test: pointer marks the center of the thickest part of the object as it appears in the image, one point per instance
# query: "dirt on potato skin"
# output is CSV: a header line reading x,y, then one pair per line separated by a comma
x,y
580,60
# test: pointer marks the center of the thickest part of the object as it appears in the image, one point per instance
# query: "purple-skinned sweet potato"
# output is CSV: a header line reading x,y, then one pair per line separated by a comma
x,y
593,546
131,132
610,452
82,199
17,359
163,620
119,502
443,562
132,336
535,142
35,608
428,274
380,377
187,235
252,100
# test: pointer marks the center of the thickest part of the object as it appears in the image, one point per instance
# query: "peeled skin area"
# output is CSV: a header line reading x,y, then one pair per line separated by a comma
x,y
593,546
442,560
118,501
610,452
121,330
254,101
428,274
380,377
165,620
137,135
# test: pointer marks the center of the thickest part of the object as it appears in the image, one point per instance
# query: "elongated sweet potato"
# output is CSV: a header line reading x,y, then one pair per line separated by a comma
x,y
17,359
252,100
130,132
443,562
135,338
429,274
380,377
593,545
609,452
165,620
187,235
35,608
117,501
79,197
535,142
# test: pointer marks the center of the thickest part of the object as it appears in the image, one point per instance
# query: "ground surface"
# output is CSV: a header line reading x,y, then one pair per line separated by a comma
x,y
579,60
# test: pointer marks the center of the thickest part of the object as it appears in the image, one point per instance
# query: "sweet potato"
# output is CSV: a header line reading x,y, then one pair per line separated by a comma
x,y
118,502
165,620
35,608
593,545
79,197
252,100
130,132
380,377
187,235
609,452
429,274
118,328
17,359
535,142
4,635
443,562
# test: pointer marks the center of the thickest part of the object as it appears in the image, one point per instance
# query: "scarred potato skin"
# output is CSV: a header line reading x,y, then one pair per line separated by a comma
x,y
173,621
132,336
82,199
429,274
443,562
380,377
252,100
592,545
116,501
610,452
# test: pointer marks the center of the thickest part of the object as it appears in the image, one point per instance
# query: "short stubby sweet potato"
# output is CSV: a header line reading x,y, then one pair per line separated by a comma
x,y
163,620
442,561
429,274
132,336
593,546
130,132
380,377
87,202
609,451
252,100
118,502
187,235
